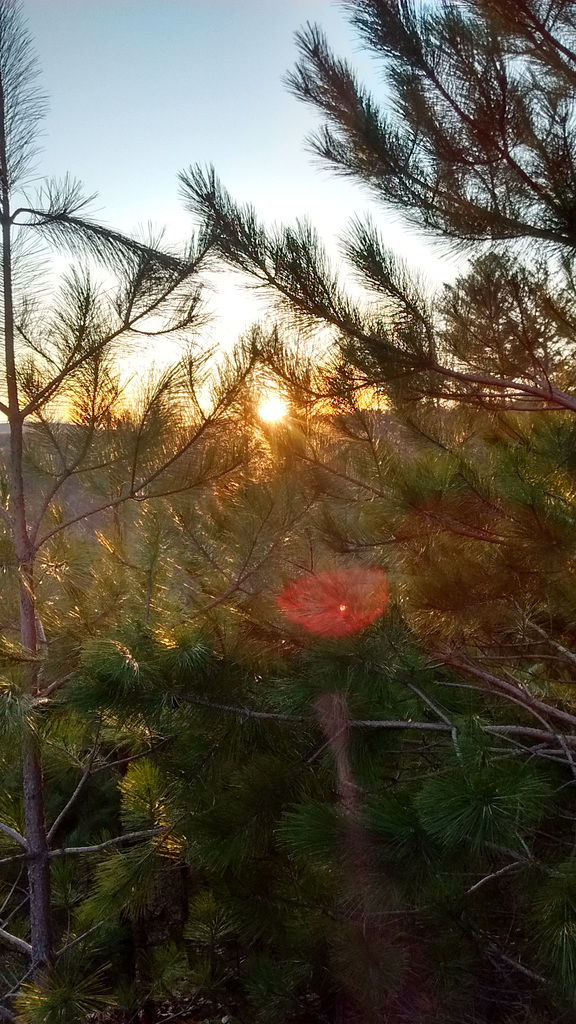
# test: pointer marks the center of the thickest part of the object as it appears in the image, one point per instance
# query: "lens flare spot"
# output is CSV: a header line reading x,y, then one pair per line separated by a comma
x,y
335,603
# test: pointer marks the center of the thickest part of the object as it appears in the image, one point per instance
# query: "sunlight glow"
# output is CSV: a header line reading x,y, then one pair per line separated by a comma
x,y
272,408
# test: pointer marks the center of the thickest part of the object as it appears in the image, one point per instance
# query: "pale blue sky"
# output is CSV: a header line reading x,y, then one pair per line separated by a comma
x,y
140,89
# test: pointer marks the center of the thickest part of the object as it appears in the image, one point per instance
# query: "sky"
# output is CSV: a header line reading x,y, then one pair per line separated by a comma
x,y
140,89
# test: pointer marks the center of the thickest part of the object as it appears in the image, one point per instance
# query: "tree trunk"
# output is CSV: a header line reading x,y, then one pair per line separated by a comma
x,y
32,781
37,859
38,863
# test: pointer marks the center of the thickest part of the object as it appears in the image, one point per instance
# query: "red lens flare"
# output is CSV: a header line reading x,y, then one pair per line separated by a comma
x,y
335,603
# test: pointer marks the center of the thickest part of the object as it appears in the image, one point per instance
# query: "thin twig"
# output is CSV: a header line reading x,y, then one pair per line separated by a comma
x,y
77,792
566,654
496,874
127,760
494,951
79,938
444,718
243,712
12,890
16,909
16,988
15,857
430,704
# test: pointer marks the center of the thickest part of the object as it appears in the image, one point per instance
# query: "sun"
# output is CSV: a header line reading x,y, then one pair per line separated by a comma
x,y
272,408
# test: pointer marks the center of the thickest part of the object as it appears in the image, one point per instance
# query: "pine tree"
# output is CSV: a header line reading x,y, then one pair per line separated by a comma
x,y
467,478
81,459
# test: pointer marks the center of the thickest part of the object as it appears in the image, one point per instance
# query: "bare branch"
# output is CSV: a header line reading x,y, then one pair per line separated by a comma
x,y
443,717
495,952
243,712
130,837
133,757
502,686
378,723
430,704
16,988
76,794
566,654
543,735
79,938
16,910
55,686
497,874
13,835
16,943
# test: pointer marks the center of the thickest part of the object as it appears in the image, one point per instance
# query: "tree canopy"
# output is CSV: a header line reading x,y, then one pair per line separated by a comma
x,y
287,710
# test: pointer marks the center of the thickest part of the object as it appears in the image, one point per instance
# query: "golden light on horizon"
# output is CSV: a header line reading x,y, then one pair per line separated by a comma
x,y
272,408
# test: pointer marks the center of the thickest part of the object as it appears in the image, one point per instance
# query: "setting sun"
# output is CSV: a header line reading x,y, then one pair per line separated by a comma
x,y
272,408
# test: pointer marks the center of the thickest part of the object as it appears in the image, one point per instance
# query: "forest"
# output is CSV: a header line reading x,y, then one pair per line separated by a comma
x,y
287,733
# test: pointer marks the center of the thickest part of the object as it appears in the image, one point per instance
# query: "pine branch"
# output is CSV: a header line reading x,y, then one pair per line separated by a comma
x,y
558,398
110,247
115,502
49,390
246,571
539,29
